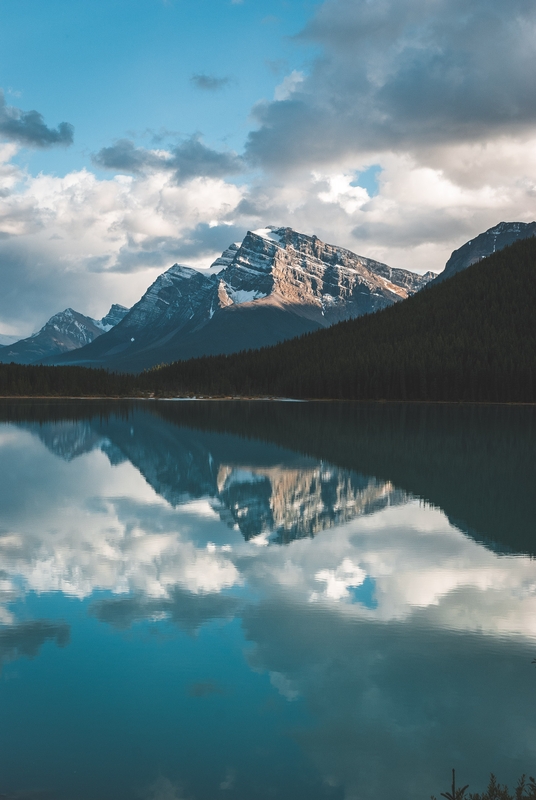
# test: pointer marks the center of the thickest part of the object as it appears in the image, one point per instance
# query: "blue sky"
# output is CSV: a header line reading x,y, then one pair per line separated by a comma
x,y
135,134
126,68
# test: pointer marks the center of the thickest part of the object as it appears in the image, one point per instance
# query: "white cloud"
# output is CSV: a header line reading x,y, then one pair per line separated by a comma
x,y
66,241
338,581
289,85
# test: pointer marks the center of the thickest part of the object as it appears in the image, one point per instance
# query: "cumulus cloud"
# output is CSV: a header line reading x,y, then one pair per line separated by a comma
x,y
403,74
67,241
124,156
439,95
190,159
288,85
28,127
209,83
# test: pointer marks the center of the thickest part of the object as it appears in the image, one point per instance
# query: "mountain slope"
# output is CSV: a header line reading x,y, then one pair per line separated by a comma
x,y
68,330
7,339
469,338
275,285
491,241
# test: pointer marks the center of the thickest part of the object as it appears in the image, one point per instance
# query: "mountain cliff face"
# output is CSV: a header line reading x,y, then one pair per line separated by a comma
x,y
68,330
492,240
275,285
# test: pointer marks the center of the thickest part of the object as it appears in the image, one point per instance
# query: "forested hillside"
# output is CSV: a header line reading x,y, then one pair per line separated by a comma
x,y
471,338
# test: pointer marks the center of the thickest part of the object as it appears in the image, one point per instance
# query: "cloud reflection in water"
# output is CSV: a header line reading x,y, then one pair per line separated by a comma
x,y
407,640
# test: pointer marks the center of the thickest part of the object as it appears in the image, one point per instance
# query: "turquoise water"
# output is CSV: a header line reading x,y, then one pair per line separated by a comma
x,y
205,600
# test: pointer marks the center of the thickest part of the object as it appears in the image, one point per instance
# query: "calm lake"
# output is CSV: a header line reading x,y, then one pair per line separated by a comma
x,y
205,600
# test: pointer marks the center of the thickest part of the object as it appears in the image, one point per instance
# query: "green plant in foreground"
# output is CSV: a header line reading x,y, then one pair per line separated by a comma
x,y
523,791
456,794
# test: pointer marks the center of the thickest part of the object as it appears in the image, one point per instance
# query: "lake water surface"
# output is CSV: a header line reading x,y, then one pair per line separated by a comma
x,y
265,600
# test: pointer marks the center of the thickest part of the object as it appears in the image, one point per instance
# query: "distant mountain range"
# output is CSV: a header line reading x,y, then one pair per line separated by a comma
x,y
275,285
66,331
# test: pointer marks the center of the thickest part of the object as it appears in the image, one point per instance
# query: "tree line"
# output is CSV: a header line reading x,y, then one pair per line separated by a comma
x,y
470,338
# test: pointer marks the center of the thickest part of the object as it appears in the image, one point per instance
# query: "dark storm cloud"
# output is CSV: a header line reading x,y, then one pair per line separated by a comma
x,y
28,127
190,159
209,83
401,74
26,638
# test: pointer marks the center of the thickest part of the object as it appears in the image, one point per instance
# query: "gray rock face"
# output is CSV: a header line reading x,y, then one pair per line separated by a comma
x,y
502,235
66,331
335,283
275,285
113,317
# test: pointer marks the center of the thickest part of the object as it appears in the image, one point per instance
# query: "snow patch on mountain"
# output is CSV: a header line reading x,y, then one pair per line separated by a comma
x,y
243,296
112,318
272,233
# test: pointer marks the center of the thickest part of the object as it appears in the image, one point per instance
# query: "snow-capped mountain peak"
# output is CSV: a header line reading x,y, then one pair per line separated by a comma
x,y
275,284
272,233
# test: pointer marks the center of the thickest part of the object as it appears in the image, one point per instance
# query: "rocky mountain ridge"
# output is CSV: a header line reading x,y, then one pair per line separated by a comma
x,y
483,245
275,285
68,330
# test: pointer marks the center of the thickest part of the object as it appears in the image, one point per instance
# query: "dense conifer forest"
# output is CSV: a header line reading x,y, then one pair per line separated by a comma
x,y
18,380
471,338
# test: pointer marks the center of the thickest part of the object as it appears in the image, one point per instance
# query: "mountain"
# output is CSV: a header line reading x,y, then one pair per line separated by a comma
x,y
471,338
68,330
112,318
7,339
491,241
275,285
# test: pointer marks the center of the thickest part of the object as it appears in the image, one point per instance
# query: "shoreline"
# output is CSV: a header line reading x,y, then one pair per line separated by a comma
x,y
265,399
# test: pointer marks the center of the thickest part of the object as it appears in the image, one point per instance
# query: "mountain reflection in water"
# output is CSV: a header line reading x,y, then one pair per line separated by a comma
x,y
264,600
263,489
